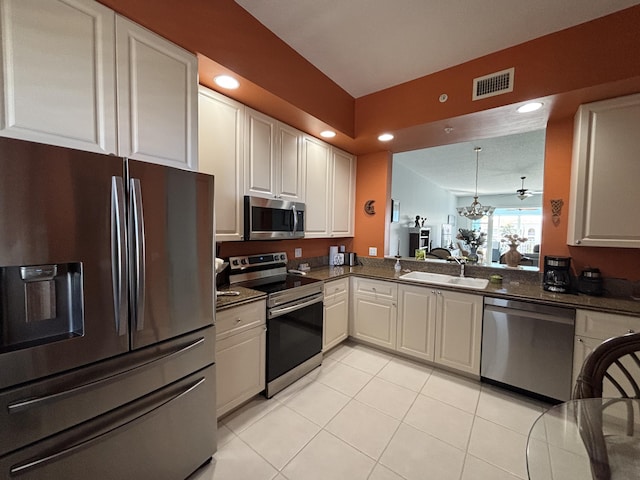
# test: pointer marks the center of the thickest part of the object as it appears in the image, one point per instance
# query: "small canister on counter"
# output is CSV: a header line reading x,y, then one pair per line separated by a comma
x,y
590,282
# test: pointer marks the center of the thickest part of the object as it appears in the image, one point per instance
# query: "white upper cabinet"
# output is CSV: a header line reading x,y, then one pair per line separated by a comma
x,y
330,177
58,73
343,196
605,173
75,74
220,153
317,187
157,98
272,158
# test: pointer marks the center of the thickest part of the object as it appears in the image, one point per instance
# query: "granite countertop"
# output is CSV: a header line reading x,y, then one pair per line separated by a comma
x,y
246,295
514,288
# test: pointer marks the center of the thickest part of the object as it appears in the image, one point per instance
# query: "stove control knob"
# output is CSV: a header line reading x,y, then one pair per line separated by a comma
x,y
235,262
282,256
244,261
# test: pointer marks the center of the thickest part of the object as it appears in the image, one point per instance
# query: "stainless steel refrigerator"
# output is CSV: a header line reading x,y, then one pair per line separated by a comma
x,y
107,339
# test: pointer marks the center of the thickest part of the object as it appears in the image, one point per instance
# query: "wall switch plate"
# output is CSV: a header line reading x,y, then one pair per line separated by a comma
x,y
297,252
373,251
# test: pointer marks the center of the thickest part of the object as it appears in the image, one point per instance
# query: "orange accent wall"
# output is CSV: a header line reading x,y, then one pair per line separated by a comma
x,y
612,262
373,182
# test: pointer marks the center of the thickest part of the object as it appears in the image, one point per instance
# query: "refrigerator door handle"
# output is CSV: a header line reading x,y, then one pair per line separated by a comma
x,y
139,253
118,254
37,462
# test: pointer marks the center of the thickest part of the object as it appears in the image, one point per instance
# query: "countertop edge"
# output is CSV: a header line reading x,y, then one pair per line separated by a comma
x,y
525,291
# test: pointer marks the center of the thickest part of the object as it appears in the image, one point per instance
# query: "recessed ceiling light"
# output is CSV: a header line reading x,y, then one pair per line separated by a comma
x,y
328,134
385,137
226,81
529,107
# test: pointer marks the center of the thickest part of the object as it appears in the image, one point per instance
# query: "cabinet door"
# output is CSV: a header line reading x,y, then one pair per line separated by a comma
x,y
416,321
58,73
336,313
374,320
317,183
604,325
343,193
336,320
220,148
259,153
157,98
605,172
459,331
289,163
241,368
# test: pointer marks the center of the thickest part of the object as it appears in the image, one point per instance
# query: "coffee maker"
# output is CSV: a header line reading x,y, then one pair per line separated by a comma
x,y
556,274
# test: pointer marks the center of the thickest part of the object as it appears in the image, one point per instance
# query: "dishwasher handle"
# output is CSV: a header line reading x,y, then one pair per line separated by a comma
x,y
565,318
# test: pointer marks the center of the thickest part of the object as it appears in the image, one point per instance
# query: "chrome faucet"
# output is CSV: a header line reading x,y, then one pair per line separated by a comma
x,y
460,262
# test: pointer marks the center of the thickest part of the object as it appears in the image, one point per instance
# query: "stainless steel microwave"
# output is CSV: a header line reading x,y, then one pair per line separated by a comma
x,y
266,219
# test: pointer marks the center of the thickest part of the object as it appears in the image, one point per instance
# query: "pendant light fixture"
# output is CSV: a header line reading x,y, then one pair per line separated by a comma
x,y
523,192
476,210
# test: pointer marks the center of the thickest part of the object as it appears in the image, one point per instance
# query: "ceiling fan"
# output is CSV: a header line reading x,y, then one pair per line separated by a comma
x,y
523,192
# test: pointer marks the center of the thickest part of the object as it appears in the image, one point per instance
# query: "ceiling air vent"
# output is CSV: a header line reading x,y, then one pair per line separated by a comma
x,y
493,84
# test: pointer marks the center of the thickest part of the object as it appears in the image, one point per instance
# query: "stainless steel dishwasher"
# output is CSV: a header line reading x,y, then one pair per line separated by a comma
x,y
528,346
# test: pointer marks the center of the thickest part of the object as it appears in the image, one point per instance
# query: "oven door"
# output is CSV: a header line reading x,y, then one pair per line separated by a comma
x,y
294,334
266,219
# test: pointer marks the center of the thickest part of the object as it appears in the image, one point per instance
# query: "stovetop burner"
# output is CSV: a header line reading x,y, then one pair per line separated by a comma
x,y
284,283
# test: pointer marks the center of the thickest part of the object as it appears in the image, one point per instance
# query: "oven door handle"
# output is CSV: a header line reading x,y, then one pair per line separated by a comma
x,y
276,312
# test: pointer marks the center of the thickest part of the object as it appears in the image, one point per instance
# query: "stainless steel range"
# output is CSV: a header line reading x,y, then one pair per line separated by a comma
x,y
294,316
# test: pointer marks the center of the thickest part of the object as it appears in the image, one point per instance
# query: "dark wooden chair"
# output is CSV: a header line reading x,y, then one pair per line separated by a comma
x,y
613,368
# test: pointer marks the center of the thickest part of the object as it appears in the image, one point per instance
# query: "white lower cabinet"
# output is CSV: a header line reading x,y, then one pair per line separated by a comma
x,y
459,331
593,328
374,312
440,326
240,355
417,321
336,313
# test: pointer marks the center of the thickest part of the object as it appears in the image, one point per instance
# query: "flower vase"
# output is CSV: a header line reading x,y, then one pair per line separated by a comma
x,y
473,255
513,256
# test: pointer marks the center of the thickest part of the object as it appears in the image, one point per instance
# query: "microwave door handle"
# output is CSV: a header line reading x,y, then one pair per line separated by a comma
x,y
118,258
295,220
139,251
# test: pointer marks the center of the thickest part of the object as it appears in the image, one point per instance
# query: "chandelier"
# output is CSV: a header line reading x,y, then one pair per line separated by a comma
x,y
476,210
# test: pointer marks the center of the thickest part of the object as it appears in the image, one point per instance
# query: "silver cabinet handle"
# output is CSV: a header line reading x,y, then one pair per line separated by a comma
x,y
139,252
580,340
630,331
118,258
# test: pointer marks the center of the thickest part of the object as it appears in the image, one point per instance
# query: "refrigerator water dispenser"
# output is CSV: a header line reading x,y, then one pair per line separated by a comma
x,y
40,304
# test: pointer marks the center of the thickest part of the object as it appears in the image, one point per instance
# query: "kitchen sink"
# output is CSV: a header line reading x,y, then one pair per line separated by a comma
x,y
442,279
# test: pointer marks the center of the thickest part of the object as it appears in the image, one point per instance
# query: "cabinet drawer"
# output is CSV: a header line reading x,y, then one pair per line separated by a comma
x,y
241,318
336,286
604,325
381,290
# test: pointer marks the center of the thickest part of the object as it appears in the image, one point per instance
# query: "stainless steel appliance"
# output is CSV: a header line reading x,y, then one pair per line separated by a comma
x,y
590,282
528,346
107,341
270,218
556,274
294,316
350,259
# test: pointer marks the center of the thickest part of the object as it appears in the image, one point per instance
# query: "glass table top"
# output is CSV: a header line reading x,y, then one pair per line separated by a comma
x,y
586,439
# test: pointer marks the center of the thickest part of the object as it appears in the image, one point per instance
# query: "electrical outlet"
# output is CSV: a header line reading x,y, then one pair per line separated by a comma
x,y
297,253
373,251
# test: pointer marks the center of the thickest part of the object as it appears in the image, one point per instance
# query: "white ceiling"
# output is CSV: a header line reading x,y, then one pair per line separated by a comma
x,y
502,161
368,45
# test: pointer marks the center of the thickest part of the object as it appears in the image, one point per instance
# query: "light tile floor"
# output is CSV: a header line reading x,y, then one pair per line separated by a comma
x,y
367,414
